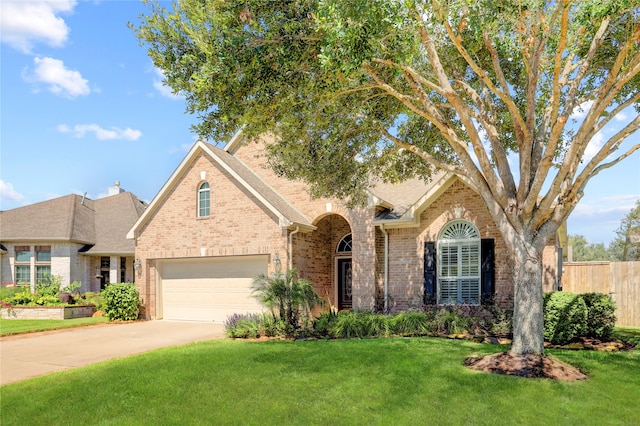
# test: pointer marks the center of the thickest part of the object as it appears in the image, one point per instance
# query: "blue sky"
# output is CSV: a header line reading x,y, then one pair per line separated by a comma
x,y
82,106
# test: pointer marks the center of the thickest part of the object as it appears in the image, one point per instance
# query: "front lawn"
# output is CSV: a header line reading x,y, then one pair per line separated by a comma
x,y
9,326
370,381
628,334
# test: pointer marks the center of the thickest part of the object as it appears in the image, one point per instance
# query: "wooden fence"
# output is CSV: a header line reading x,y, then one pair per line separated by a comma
x,y
621,280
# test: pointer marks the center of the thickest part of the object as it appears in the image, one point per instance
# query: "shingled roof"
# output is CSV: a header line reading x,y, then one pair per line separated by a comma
x,y
102,223
261,187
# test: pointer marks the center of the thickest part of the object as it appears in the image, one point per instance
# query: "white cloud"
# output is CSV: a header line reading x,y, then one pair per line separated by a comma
x,y
163,89
594,145
182,149
613,205
80,130
61,80
8,193
24,23
581,110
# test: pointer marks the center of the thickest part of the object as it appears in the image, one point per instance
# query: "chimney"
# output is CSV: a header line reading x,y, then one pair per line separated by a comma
x,y
115,190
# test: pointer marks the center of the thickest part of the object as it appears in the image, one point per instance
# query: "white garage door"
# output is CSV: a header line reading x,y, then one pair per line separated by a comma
x,y
209,289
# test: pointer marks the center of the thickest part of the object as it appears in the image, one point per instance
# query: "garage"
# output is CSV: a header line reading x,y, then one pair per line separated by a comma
x,y
208,289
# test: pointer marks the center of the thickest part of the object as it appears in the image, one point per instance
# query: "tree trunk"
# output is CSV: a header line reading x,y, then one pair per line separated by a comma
x,y
528,331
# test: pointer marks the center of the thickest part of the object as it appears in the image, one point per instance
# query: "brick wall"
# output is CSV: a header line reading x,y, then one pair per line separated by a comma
x,y
240,225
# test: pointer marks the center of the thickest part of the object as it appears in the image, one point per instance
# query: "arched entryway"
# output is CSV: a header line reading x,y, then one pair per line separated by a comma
x,y
324,258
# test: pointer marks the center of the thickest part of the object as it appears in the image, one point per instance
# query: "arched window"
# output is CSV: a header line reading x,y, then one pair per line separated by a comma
x,y
459,264
344,246
204,200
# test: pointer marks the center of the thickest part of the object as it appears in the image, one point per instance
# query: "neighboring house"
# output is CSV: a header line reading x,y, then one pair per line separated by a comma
x,y
74,237
223,217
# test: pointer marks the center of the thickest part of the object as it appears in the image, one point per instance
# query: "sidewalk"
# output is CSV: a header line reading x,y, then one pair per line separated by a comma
x,y
31,355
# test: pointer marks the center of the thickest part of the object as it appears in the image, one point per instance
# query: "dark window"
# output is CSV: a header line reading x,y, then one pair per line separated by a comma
x,y
345,244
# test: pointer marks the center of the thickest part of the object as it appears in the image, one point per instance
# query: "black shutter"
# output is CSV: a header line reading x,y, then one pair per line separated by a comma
x,y
430,292
487,269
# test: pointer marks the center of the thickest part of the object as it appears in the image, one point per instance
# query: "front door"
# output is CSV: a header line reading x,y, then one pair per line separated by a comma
x,y
344,284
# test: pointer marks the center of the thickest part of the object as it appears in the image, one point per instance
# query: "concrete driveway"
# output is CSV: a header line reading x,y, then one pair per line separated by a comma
x,y
31,355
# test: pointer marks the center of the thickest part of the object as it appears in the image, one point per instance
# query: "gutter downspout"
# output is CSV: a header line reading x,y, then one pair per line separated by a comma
x,y
386,268
291,246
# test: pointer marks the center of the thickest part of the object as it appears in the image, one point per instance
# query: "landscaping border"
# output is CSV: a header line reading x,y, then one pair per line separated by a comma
x,y
47,312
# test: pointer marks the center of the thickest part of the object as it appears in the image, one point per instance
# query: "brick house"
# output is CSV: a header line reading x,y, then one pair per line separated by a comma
x,y
74,237
223,217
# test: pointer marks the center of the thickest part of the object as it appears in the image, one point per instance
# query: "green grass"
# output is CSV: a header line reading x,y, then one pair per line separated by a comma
x,y
628,334
394,381
9,326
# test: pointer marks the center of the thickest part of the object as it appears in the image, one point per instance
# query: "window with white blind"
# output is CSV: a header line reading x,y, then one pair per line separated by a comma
x,y
459,264
204,200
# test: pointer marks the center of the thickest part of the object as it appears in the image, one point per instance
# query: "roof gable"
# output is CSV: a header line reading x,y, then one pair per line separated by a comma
x,y
409,215
287,214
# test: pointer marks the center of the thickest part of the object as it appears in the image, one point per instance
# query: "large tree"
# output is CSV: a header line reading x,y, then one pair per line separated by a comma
x,y
584,251
626,245
359,89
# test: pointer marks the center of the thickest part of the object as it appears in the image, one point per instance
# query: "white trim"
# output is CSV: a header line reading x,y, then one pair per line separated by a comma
x,y
190,158
234,141
153,206
411,218
336,277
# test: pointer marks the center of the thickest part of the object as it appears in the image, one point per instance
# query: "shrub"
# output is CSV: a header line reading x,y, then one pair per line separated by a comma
x,y
378,325
565,317
50,286
286,295
412,323
242,326
91,298
601,317
323,325
448,322
48,300
271,326
350,325
121,302
23,297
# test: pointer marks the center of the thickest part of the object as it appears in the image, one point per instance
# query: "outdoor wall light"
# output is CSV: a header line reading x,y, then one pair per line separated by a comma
x,y
137,266
277,264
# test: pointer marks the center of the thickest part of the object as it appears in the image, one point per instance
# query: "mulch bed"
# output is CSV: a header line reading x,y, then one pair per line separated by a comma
x,y
530,366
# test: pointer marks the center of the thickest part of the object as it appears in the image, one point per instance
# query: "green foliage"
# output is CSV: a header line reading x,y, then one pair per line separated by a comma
x,y
287,296
601,318
47,300
121,301
375,89
7,292
50,286
626,245
22,297
447,321
379,325
242,326
350,325
413,323
501,322
272,326
92,298
583,251
631,335
15,326
72,287
355,382
324,324
565,317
